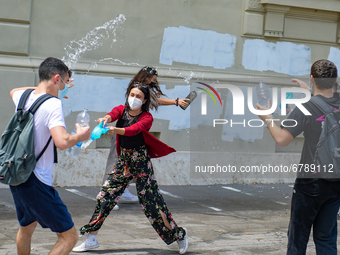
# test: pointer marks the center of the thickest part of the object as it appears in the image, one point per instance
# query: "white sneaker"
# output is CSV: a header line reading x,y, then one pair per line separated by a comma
x,y
183,244
89,244
127,197
116,207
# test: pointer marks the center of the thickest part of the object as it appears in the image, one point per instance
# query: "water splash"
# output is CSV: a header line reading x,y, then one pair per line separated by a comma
x,y
92,40
119,61
95,39
94,65
187,79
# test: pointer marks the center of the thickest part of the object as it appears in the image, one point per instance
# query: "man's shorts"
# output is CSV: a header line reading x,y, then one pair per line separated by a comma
x,y
36,201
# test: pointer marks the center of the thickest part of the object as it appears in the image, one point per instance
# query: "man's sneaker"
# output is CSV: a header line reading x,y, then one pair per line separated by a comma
x,y
116,207
89,244
183,244
127,197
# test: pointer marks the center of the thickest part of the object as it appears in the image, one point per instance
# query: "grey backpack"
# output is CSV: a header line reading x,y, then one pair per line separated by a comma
x,y
327,154
17,155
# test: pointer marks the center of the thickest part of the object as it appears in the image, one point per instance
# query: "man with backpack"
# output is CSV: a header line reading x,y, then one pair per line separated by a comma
x,y
316,197
36,200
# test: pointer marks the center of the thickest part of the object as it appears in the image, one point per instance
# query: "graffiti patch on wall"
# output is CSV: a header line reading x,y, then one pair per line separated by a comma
x,y
334,56
199,47
280,57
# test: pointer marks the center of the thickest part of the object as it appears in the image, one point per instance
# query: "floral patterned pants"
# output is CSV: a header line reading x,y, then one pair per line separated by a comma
x,y
135,163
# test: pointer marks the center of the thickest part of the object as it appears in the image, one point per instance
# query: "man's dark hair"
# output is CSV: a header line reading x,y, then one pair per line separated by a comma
x,y
52,66
324,73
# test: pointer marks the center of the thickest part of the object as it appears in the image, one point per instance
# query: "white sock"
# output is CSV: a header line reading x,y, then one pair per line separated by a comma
x,y
93,237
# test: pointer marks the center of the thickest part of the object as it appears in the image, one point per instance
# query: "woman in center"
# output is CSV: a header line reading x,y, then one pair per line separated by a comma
x,y
135,147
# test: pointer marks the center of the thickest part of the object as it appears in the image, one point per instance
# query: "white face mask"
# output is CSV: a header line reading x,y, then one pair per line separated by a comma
x,y
135,103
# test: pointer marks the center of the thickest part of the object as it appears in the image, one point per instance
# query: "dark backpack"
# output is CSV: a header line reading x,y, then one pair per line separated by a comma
x,y
327,154
17,155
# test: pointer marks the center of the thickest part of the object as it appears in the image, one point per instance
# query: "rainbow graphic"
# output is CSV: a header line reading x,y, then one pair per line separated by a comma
x,y
209,93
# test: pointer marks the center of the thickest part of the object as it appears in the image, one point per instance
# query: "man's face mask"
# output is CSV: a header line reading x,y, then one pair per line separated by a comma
x,y
62,93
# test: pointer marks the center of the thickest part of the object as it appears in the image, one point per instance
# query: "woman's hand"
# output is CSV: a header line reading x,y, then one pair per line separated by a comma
x,y
183,102
111,131
104,119
116,130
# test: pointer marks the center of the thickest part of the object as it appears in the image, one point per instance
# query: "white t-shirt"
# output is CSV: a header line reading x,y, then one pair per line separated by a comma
x,y
49,115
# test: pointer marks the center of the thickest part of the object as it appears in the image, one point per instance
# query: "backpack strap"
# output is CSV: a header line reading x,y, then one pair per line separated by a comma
x,y
55,154
33,109
23,99
321,105
42,152
55,151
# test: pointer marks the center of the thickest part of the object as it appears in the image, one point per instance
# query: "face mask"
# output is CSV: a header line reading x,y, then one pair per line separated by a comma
x,y
152,84
63,92
135,103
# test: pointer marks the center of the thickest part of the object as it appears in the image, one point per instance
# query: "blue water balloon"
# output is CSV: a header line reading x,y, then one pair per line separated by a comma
x,y
99,130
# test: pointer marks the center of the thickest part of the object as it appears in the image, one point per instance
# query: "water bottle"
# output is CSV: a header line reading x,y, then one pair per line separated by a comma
x,y
192,95
83,119
96,134
262,92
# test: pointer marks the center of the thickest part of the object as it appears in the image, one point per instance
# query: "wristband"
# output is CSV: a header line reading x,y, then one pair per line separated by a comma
x,y
176,101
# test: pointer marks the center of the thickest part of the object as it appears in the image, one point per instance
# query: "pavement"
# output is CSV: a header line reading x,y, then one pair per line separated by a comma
x,y
221,219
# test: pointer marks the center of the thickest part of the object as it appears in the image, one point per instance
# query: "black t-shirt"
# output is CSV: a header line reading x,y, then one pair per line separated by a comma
x,y
129,142
310,125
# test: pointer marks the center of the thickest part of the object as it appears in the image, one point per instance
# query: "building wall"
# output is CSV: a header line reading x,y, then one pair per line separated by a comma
x,y
106,42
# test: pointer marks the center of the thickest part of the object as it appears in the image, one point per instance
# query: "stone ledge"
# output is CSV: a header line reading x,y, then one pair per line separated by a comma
x,y
325,5
118,71
270,19
174,169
